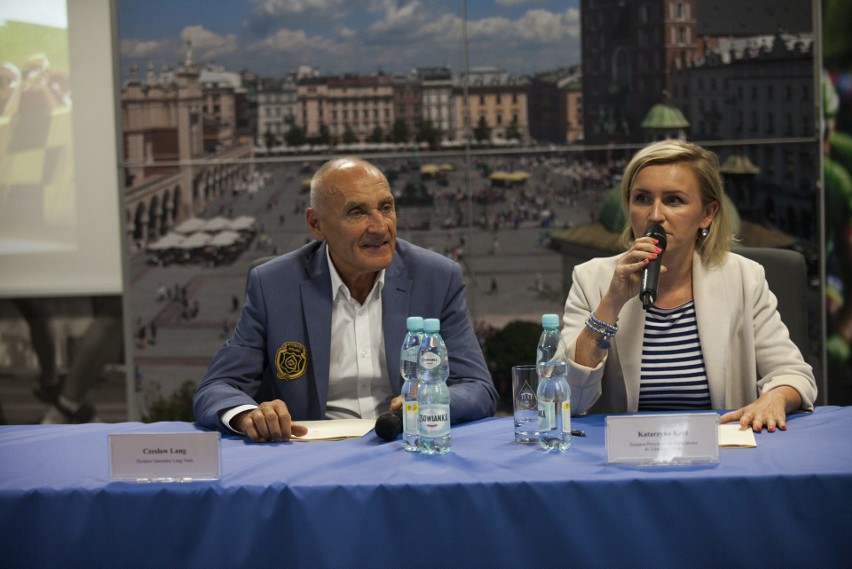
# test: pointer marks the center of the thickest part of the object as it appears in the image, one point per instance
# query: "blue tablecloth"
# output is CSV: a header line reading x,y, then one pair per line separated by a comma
x,y
489,503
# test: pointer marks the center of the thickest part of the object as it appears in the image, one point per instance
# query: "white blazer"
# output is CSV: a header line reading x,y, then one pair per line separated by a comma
x,y
746,347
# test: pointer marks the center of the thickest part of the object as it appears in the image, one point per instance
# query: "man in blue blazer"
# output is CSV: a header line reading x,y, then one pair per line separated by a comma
x,y
321,329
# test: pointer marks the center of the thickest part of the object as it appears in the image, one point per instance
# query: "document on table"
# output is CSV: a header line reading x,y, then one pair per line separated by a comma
x,y
732,436
335,430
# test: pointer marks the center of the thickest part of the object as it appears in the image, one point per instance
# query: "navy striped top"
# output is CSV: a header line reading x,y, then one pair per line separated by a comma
x,y
672,374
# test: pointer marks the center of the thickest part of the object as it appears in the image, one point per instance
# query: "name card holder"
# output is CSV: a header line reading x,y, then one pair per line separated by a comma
x,y
164,457
662,439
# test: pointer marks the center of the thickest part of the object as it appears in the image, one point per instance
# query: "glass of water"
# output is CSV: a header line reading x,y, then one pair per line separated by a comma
x,y
525,403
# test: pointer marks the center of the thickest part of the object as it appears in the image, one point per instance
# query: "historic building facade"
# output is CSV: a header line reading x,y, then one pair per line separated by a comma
x,y
180,147
496,100
555,106
357,104
436,86
629,51
277,105
753,90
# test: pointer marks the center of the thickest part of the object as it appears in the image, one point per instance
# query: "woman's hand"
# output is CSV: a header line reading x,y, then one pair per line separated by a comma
x,y
623,286
628,272
770,410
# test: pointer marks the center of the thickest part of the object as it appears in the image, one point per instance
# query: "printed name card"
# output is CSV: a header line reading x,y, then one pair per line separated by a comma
x,y
662,439
164,457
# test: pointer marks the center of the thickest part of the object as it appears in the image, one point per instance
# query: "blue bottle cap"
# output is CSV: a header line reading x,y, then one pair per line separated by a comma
x,y
550,320
414,323
431,325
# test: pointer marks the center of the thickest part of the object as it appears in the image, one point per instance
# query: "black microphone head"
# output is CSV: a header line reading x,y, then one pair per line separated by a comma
x,y
657,232
389,426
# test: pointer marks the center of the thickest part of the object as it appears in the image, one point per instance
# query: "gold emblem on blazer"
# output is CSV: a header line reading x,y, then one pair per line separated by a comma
x,y
291,361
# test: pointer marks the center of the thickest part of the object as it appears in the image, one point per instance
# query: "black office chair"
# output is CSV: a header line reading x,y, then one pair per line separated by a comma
x,y
787,275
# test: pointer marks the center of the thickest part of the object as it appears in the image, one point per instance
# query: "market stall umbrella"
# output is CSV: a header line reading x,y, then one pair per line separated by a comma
x,y
169,241
242,223
224,239
215,224
191,225
429,169
195,241
500,177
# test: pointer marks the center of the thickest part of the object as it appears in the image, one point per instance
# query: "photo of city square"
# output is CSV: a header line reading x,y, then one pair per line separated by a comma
x,y
502,127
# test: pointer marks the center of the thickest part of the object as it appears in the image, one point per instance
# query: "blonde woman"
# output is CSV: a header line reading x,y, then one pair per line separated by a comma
x,y
713,339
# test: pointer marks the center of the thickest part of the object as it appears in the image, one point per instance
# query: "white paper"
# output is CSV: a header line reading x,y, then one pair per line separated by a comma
x,y
732,436
335,429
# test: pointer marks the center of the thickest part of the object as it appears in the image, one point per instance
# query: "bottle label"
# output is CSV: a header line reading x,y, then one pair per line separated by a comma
x,y
566,416
546,415
434,420
430,360
410,417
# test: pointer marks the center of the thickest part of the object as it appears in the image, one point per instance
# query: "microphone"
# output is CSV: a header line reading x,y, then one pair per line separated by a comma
x,y
389,425
651,274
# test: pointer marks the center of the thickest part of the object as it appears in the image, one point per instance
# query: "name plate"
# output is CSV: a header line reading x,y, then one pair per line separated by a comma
x,y
164,457
662,439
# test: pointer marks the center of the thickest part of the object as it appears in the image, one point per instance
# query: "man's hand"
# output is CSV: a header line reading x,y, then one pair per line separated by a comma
x,y
270,422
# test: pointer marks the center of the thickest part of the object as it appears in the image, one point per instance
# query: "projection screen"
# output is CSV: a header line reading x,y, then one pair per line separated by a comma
x,y
60,221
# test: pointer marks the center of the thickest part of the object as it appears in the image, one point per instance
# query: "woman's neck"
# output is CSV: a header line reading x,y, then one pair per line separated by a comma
x,y
676,282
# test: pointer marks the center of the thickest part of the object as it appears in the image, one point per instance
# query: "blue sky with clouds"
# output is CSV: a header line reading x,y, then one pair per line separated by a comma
x,y
273,37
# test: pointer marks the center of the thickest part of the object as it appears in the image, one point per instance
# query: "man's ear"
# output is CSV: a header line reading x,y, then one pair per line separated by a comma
x,y
314,226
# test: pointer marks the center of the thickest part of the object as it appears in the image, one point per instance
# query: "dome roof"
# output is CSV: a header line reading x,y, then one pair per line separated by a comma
x,y
664,116
739,164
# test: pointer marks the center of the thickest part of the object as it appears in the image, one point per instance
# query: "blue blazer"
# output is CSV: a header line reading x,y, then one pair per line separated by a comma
x,y
282,340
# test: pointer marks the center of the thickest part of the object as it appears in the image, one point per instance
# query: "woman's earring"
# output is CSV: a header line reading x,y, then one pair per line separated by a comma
x,y
705,231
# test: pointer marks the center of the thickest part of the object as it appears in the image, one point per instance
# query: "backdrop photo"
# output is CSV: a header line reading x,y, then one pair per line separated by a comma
x,y
62,360
503,128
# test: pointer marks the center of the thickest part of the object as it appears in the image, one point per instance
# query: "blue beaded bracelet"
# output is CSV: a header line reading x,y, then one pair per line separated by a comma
x,y
605,330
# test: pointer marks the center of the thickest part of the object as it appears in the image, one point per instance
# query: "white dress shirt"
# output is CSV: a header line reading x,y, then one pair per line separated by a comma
x,y
358,385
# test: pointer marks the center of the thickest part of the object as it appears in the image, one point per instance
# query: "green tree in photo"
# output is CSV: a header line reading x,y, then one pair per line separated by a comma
x,y
482,132
399,132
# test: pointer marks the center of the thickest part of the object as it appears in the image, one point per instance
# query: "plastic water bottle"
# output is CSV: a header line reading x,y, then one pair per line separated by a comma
x,y
408,370
433,395
554,395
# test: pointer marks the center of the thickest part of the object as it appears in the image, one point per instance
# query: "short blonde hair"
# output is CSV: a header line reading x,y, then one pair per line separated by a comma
x,y
704,165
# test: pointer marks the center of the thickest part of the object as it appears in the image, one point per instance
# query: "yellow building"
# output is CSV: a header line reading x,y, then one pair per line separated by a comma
x,y
496,100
